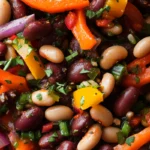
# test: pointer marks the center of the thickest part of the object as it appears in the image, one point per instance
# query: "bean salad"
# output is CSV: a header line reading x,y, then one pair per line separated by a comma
x,y
74,74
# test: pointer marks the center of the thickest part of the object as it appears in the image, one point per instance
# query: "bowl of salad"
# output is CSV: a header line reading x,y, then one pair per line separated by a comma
x,y
74,75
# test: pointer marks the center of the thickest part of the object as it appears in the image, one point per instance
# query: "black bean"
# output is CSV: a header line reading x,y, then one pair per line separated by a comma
x,y
18,8
95,5
50,140
74,72
30,119
106,147
37,29
80,124
125,101
58,72
3,49
67,145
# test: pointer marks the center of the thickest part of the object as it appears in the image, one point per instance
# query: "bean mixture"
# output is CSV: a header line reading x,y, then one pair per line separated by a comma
x,y
74,75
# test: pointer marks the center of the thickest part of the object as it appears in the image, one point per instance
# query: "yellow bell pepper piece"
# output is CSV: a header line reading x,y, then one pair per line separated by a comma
x,y
87,97
30,57
117,8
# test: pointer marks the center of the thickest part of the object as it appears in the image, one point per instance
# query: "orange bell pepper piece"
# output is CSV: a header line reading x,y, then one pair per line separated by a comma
x,y
117,8
139,74
135,17
82,33
87,97
13,82
139,140
3,89
56,6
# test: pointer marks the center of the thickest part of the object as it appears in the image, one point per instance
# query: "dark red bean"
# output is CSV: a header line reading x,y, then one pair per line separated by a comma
x,y
74,71
95,5
37,29
74,46
67,145
106,147
3,49
50,140
30,119
58,72
80,124
125,101
18,8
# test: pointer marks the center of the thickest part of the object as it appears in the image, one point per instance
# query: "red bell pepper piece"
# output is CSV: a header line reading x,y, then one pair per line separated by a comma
x,y
139,73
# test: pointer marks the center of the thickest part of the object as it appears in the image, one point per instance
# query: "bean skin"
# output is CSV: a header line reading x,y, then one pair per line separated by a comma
x,y
30,119
67,145
50,140
32,30
95,5
125,101
106,147
80,124
74,70
3,49
18,9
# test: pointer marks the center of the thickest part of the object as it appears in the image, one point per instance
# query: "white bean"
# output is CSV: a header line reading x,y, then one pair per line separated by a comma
x,y
51,53
142,48
42,98
109,134
5,11
102,115
11,53
112,55
58,112
107,84
91,138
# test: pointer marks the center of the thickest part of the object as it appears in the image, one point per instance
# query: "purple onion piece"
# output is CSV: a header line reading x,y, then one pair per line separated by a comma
x,y
15,26
4,141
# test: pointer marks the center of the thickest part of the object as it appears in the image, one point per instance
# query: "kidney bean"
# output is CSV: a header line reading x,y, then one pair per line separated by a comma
x,y
74,70
30,119
3,49
80,124
95,5
18,8
67,145
58,72
50,140
106,147
59,24
125,101
32,30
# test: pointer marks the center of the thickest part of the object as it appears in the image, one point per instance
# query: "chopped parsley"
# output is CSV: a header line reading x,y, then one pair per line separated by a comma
x,y
91,14
82,100
8,81
16,144
39,96
130,140
48,72
52,137
36,58
83,71
71,56
137,79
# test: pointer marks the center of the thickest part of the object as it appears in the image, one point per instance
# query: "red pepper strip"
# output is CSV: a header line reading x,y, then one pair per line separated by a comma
x,y
103,22
56,6
82,33
13,81
3,89
47,127
70,20
142,74
135,16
